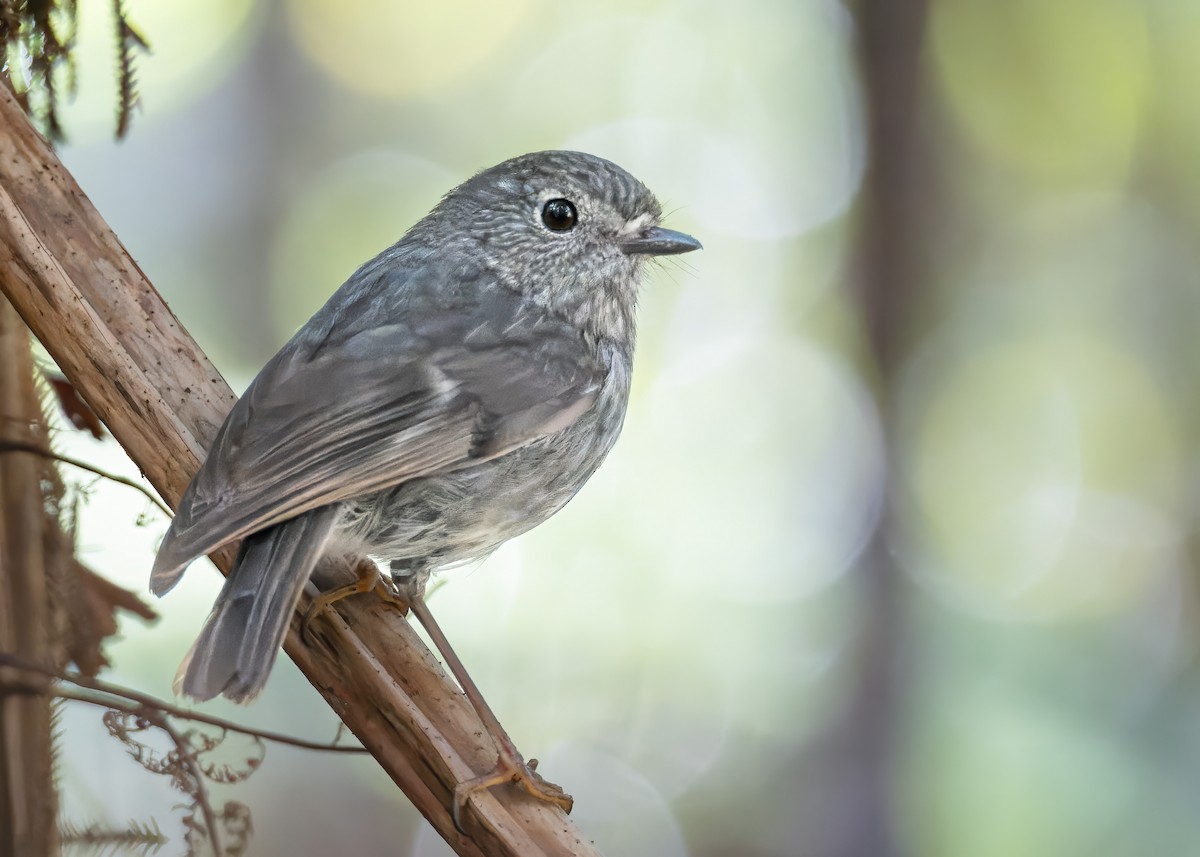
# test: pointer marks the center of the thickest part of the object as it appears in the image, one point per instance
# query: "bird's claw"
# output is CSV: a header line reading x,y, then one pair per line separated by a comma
x,y
369,579
510,770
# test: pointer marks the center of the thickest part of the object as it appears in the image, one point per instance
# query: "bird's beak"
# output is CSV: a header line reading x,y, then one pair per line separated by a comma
x,y
659,242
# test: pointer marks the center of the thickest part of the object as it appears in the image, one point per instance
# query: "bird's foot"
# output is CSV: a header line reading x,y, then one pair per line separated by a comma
x,y
510,765
511,768
369,579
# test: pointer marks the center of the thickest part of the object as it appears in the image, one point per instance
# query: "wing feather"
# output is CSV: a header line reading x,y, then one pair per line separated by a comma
x,y
360,410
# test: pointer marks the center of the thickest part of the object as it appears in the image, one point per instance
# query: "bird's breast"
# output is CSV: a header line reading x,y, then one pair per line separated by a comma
x,y
469,512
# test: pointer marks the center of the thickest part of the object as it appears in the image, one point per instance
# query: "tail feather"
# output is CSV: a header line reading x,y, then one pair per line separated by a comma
x,y
240,641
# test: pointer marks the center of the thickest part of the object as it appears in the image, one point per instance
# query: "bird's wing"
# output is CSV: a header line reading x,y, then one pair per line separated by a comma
x,y
442,386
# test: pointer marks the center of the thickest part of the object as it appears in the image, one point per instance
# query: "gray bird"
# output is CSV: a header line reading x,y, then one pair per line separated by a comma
x,y
456,391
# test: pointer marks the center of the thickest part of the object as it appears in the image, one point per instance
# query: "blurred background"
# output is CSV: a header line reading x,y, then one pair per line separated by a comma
x,y
897,554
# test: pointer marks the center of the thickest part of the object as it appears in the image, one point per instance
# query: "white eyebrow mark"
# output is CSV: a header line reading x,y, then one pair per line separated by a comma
x,y
638,224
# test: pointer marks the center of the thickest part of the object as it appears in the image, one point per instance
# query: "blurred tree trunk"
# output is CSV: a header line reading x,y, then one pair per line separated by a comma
x,y
28,798
892,246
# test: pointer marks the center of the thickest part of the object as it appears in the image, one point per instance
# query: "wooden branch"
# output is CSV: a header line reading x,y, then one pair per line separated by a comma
x,y
126,353
28,798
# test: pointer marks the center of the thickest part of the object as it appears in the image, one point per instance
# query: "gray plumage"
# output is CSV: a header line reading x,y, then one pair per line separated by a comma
x,y
456,391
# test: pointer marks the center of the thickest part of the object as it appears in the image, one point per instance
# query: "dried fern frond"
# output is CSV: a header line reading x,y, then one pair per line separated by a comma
x,y
129,43
185,765
136,838
38,39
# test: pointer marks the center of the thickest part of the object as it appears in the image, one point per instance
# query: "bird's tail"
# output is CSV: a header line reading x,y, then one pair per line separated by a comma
x,y
240,641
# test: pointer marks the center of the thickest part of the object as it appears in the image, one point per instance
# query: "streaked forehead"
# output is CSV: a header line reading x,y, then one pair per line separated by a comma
x,y
573,173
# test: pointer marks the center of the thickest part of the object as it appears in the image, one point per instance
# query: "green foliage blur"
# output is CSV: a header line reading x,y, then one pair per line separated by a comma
x,y
680,647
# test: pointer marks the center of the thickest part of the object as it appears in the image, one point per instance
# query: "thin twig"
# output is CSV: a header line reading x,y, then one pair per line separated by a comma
x,y
21,446
118,693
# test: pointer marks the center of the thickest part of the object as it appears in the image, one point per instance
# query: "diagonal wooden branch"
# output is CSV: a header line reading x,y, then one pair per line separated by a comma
x,y
96,313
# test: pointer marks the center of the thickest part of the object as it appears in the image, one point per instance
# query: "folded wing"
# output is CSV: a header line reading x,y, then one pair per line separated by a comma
x,y
437,383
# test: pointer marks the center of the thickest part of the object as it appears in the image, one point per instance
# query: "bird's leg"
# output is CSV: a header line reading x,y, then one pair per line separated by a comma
x,y
369,578
510,766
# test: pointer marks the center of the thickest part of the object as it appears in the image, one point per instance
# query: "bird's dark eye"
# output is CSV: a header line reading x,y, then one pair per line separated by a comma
x,y
559,215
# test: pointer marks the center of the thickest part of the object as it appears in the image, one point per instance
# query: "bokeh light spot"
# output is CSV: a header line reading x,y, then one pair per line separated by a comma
x,y
791,435
1055,89
1045,471
1050,785
345,216
396,50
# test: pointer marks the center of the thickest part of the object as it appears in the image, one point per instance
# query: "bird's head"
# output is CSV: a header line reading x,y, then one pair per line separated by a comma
x,y
570,230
